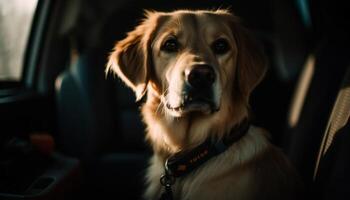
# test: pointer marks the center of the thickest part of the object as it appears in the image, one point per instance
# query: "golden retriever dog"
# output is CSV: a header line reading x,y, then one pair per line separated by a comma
x,y
195,71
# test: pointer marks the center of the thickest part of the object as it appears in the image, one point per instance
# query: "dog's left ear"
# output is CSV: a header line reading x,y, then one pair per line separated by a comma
x,y
131,58
251,61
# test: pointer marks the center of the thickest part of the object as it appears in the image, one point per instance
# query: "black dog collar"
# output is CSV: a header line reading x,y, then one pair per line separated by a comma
x,y
182,163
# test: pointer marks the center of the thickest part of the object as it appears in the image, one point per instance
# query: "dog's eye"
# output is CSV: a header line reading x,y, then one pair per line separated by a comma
x,y
220,46
171,45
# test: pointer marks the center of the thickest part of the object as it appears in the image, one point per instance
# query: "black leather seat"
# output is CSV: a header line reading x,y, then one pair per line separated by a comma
x,y
100,124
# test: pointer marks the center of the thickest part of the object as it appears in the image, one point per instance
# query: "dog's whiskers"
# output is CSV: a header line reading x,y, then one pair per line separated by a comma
x,y
162,103
159,109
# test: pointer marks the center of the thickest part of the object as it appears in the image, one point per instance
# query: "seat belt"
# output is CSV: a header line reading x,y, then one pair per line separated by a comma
x,y
338,119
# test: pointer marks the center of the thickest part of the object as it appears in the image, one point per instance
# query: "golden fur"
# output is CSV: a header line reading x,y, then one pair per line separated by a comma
x,y
251,168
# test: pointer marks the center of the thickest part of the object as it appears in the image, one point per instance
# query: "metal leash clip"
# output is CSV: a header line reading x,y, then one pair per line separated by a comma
x,y
167,180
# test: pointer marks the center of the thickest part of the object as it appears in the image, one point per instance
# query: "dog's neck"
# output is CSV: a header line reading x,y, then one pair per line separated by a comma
x,y
169,135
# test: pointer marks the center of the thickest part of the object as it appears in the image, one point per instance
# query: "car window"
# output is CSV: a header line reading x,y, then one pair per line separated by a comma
x,y
15,21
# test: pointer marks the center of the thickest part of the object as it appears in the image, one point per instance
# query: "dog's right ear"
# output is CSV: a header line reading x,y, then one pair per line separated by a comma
x,y
131,57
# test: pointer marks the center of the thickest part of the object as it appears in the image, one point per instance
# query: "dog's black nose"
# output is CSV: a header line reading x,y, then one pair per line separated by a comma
x,y
201,76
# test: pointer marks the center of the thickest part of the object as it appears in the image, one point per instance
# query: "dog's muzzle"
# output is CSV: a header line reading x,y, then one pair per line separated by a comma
x,y
198,94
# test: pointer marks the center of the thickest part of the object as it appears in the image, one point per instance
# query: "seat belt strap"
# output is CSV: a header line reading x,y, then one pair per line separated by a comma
x,y
338,119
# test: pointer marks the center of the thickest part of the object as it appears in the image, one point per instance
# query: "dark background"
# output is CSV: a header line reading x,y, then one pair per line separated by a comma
x,y
94,120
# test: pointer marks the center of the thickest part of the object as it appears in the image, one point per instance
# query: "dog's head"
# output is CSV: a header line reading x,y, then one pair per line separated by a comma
x,y
193,61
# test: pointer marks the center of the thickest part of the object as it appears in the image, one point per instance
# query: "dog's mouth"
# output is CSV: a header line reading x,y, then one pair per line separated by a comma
x,y
191,104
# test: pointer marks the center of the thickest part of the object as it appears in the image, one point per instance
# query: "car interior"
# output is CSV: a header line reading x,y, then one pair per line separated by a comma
x,y
70,131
